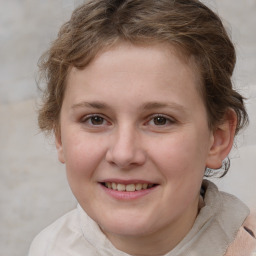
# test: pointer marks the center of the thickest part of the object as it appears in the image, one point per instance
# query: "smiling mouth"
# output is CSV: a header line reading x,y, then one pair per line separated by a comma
x,y
128,187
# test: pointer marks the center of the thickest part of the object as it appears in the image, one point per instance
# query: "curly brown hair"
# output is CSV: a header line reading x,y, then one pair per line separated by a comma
x,y
187,24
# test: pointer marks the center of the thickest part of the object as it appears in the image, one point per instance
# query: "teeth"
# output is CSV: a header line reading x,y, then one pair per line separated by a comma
x,y
145,186
138,186
114,186
120,187
129,187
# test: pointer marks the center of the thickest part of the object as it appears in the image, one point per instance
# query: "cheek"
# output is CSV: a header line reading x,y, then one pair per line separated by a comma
x,y
83,154
181,155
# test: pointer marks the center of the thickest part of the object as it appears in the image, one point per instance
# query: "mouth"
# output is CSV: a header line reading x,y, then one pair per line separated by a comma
x,y
128,187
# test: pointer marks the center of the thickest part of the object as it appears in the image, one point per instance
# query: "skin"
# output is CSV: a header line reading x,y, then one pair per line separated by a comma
x,y
127,87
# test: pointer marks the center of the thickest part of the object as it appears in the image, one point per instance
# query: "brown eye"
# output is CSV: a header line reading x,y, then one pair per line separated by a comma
x,y
160,120
96,120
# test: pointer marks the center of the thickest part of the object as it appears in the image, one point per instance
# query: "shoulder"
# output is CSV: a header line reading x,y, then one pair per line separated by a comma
x,y
235,223
58,231
245,241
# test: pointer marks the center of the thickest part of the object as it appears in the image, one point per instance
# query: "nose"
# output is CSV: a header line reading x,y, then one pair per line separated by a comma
x,y
125,149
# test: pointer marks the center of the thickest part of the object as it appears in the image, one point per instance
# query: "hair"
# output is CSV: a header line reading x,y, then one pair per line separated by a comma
x,y
188,25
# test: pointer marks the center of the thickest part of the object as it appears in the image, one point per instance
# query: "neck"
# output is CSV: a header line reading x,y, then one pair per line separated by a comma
x,y
160,242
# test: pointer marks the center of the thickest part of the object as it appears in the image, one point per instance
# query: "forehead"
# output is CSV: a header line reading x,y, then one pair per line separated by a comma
x,y
155,54
153,72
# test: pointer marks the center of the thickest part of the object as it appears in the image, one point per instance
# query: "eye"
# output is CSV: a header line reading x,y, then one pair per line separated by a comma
x,y
95,120
160,120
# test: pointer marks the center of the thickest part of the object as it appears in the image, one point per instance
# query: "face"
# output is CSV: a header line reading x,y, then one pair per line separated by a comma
x,y
135,140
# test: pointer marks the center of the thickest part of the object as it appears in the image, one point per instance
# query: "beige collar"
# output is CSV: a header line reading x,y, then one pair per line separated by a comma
x,y
216,225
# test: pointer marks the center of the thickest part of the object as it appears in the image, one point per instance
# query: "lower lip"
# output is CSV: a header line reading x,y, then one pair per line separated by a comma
x,y
123,195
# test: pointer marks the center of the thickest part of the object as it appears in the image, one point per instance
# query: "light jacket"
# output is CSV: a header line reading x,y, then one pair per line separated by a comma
x,y
245,241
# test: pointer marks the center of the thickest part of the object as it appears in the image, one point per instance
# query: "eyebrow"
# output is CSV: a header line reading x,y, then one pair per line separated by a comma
x,y
147,106
94,104
158,105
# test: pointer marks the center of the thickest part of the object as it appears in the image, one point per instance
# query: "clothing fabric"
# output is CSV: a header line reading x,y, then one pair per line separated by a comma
x,y
222,228
245,241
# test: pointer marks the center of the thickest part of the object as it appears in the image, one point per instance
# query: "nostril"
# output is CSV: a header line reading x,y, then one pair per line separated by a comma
x,y
125,158
125,148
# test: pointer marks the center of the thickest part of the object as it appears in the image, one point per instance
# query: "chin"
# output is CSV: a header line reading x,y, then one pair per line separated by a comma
x,y
125,230
126,226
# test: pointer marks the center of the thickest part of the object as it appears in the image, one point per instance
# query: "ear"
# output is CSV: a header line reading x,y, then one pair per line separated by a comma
x,y
59,147
223,138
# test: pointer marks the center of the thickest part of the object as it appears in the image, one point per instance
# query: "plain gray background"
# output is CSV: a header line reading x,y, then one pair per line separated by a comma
x,y
33,187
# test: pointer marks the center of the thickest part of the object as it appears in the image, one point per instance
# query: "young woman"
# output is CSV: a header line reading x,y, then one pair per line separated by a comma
x,y
140,100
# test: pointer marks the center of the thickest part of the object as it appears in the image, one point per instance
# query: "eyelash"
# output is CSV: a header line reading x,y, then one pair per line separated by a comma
x,y
88,119
166,119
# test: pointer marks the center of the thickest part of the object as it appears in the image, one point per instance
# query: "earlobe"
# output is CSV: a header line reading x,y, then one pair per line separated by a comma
x,y
59,147
223,138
